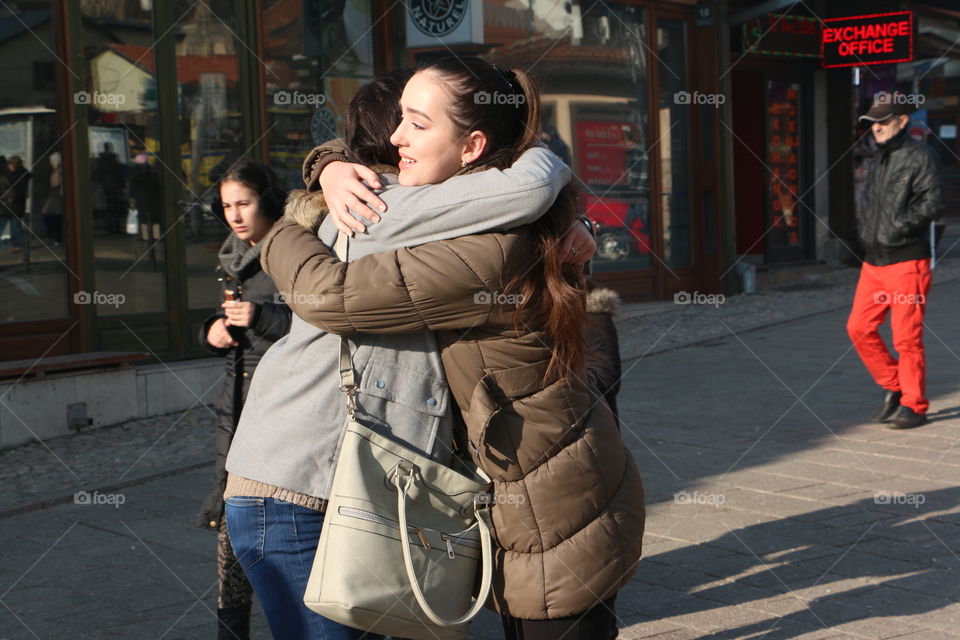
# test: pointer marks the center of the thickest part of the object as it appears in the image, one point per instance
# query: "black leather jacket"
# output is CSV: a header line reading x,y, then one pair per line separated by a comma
x,y
901,199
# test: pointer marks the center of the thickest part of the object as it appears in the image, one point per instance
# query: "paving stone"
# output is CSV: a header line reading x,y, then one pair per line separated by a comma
x,y
855,563
825,491
658,631
865,624
883,599
724,618
945,619
926,634
654,598
922,554
855,518
790,576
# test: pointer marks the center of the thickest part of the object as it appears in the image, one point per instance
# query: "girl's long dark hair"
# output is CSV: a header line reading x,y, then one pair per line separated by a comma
x,y
505,105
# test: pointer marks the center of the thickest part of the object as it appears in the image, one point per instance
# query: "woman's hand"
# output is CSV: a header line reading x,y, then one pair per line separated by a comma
x,y
578,245
218,336
239,314
343,189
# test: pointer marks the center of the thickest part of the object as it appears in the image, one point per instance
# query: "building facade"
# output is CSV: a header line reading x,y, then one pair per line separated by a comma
x,y
698,140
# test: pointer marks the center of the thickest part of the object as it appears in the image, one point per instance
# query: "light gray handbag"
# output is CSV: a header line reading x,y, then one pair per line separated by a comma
x,y
403,538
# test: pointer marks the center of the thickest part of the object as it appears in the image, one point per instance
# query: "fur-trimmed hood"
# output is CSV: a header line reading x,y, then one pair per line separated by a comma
x,y
602,300
308,208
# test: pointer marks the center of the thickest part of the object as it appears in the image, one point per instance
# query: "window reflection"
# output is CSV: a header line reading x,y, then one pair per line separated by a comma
x,y
33,259
123,142
316,56
211,132
591,66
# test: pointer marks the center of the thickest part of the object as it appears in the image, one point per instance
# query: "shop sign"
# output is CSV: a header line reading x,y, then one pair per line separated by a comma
x,y
704,15
776,34
435,23
783,160
881,38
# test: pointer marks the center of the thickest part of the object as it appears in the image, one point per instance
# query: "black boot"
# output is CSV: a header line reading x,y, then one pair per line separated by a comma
x,y
233,623
908,419
891,402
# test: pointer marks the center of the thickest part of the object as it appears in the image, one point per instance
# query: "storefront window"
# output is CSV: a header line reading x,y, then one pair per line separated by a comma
x,y
123,137
211,133
316,55
33,251
591,63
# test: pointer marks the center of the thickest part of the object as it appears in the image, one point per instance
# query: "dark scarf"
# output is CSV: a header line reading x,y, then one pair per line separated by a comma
x,y
238,258
895,142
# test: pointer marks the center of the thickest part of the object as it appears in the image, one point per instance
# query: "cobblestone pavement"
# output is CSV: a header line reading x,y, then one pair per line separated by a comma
x,y
775,509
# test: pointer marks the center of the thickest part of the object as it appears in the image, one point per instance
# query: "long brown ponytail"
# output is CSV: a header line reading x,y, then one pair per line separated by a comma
x,y
505,105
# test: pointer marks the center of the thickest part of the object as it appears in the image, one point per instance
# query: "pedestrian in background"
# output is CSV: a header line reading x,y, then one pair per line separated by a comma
x,y
6,199
901,200
253,317
19,190
111,176
53,206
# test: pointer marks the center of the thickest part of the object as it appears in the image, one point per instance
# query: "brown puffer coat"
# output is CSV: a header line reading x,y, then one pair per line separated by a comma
x,y
569,512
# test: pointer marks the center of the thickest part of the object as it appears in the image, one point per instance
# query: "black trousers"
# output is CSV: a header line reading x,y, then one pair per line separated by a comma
x,y
599,623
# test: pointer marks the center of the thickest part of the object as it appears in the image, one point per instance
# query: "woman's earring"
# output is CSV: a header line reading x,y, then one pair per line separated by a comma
x,y
463,163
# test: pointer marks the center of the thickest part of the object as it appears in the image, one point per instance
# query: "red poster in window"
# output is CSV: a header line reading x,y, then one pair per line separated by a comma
x,y
783,161
602,151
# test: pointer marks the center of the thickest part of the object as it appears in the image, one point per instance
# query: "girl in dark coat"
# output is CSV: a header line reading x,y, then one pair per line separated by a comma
x,y
252,318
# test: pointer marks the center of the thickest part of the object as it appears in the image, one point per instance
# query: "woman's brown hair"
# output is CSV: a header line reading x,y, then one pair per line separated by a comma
x,y
371,118
504,104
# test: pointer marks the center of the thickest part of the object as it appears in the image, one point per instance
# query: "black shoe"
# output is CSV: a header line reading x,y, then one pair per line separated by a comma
x,y
233,623
891,402
908,419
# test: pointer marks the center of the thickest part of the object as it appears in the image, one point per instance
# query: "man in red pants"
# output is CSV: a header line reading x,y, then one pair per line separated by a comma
x,y
901,200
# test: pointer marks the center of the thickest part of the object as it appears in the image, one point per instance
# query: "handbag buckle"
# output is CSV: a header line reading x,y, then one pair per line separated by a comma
x,y
401,470
482,502
351,400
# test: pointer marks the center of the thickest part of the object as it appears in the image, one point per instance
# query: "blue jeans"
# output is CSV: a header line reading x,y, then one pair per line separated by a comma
x,y
275,542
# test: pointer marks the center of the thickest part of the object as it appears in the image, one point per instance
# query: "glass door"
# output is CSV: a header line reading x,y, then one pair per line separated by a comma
x,y
673,146
211,133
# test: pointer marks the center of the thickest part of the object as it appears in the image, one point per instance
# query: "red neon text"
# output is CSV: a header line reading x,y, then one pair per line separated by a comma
x,y
867,31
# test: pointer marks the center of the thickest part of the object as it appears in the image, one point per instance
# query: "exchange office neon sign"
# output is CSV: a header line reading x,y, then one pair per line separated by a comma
x,y
880,38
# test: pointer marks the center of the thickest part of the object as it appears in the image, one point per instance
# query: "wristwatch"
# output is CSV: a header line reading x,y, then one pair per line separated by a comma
x,y
588,224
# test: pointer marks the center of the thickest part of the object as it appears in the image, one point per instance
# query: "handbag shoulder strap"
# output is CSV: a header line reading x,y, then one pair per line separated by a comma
x,y
342,247
348,383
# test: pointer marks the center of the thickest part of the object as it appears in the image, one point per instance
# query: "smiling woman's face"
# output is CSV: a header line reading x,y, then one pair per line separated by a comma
x,y
430,144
